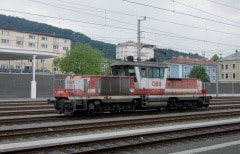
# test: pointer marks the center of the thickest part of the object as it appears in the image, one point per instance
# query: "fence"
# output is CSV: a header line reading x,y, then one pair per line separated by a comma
x,y
19,85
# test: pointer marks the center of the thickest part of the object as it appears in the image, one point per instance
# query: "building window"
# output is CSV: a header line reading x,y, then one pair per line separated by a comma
x,y
55,40
27,69
233,66
185,69
226,66
19,43
65,48
222,76
20,35
44,46
44,38
43,61
226,76
65,41
30,44
4,66
214,78
222,66
5,32
31,36
5,41
213,70
55,47
234,76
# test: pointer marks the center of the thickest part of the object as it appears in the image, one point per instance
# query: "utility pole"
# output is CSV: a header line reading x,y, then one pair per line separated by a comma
x,y
139,40
217,75
217,70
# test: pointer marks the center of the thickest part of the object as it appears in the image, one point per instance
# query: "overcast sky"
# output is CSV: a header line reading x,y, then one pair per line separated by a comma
x,y
195,26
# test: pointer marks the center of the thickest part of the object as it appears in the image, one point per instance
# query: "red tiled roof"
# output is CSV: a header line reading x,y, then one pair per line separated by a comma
x,y
187,60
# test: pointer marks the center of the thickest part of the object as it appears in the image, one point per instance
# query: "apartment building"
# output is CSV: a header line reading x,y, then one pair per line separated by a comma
x,y
22,41
123,50
229,68
180,67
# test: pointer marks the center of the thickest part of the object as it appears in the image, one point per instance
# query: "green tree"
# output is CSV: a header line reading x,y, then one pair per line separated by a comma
x,y
215,57
199,72
81,60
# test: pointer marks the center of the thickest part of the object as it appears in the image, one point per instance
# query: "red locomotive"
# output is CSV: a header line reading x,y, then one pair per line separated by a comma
x,y
132,86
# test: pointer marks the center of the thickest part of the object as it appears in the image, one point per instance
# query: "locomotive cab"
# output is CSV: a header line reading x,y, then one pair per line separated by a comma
x,y
149,77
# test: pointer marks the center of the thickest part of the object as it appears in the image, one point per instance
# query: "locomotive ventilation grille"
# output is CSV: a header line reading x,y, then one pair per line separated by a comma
x,y
115,86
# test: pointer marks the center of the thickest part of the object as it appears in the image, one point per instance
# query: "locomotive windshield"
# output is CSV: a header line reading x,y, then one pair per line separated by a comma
x,y
145,69
156,72
123,70
152,72
147,72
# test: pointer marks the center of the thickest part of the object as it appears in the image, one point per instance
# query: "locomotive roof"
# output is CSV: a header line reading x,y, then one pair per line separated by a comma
x,y
142,63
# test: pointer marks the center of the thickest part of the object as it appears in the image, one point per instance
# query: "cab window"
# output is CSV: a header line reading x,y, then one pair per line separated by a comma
x,y
116,71
131,72
156,72
143,72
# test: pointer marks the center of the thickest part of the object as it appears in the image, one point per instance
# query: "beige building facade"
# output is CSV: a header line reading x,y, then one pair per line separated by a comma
x,y
21,41
229,68
123,50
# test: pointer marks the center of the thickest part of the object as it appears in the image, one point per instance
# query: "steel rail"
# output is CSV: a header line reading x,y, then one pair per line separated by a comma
x,y
112,141
55,129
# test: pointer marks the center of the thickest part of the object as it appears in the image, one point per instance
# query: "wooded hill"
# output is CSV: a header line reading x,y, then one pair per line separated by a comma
x,y
108,50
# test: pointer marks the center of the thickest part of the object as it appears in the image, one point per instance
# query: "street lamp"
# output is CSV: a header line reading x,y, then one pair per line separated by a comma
x,y
138,38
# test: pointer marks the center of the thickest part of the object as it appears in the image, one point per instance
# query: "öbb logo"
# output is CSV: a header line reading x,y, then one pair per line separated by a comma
x,y
156,83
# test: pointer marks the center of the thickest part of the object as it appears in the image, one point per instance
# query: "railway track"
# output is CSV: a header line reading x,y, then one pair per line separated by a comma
x,y
39,126
13,108
76,126
123,140
40,116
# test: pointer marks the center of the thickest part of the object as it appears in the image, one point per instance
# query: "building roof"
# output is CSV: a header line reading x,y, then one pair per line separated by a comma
x,y
131,43
232,57
22,54
141,63
37,33
191,61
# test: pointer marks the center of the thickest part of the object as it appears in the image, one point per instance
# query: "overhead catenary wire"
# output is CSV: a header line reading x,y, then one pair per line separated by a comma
x,y
150,31
123,13
124,28
225,5
200,10
182,13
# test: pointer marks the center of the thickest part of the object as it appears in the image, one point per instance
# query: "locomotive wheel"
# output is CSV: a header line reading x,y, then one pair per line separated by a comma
x,y
91,108
172,103
68,109
60,106
180,105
